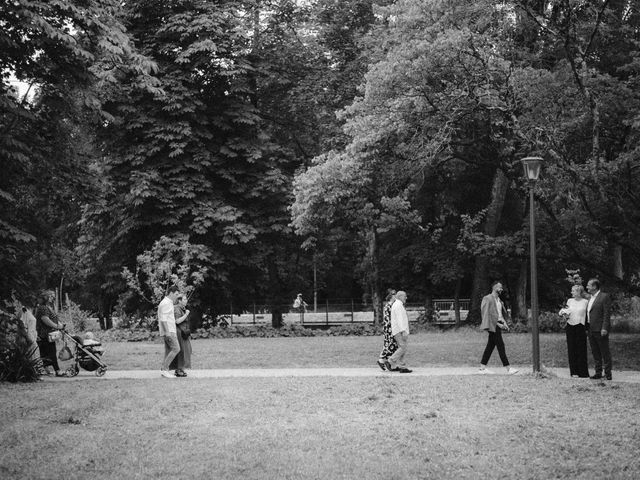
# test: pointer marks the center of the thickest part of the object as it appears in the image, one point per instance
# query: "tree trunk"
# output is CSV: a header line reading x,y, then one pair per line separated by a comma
x,y
519,305
374,276
618,271
494,213
456,301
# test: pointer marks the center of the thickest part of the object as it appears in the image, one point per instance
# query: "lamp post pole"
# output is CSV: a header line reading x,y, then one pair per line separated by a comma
x,y
532,172
534,281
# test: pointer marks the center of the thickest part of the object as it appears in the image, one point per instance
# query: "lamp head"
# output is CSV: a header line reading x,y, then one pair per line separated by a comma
x,y
532,168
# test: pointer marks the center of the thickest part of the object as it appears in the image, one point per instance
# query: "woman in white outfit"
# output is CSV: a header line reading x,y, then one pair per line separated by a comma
x,y
576,312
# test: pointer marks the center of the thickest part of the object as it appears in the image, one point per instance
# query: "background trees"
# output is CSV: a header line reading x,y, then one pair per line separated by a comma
x,y
378,142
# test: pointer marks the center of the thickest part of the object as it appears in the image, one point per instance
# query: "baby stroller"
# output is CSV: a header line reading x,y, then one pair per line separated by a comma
x,y
87,355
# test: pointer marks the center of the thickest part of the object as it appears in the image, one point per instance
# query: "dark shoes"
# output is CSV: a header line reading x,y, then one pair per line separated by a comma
x,y
608,377
381,364
597,376
404,370
181,373
387,365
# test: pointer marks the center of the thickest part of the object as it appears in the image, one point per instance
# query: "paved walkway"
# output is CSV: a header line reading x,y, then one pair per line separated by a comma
x,y
619,376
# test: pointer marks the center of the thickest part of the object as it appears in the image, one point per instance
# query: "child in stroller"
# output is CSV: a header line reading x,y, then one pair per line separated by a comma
x,y
87,354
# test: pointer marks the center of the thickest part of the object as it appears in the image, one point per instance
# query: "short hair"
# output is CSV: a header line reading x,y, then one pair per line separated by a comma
x,y
173,289
595,282
494,283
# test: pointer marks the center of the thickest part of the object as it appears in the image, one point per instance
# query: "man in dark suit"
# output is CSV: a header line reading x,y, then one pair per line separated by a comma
x,y
598,325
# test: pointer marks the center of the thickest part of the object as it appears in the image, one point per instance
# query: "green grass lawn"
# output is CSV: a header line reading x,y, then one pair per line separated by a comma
x,y
390,427
463,348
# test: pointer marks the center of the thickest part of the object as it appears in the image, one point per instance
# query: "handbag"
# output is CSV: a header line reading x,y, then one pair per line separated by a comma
x,y
185,332
53,336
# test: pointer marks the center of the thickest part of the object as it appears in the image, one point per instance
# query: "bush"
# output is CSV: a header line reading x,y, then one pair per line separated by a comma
x,y
625,324
74,317
17,361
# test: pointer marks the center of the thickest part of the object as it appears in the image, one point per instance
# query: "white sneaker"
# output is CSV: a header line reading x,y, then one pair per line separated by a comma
x,y
512,371
485,371
167,374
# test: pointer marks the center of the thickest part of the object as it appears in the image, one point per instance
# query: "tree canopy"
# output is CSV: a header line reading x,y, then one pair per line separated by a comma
x,y
378,142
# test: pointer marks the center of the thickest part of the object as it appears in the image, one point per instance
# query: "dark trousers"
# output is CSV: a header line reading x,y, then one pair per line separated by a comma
x,y
600,351
577,348
495,340
48,354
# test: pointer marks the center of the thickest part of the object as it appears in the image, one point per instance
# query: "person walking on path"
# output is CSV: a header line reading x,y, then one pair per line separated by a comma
x,y
494,320
389,344
599,320
167,326
576,332
183,359
400,332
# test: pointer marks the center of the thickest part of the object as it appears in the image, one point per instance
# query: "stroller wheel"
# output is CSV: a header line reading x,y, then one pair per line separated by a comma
x,y
101,371
73,371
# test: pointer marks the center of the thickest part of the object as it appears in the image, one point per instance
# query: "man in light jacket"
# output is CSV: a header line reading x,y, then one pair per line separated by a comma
x,y
494,320
399,331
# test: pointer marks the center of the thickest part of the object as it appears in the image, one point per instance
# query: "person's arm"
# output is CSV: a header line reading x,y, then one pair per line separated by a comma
x,y
183,317
484,309
48,322
163,311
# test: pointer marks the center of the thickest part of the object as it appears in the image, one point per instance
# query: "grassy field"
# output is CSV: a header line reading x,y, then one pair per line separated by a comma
x,y
392,427
448,348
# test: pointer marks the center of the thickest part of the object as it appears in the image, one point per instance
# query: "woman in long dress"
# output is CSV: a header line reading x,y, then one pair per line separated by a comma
x,y
390,345
576,313
183,359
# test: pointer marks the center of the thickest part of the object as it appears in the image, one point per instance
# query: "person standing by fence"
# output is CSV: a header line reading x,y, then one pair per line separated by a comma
x,y
389,344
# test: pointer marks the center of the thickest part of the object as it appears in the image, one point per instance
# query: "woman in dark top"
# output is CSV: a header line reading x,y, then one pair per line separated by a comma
x,y
183,359
46,323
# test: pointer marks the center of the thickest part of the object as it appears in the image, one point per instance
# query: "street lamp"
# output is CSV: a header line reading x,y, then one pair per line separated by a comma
x,y
532,172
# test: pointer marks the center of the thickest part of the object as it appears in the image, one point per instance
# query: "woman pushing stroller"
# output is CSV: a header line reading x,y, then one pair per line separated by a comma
x,y
48,327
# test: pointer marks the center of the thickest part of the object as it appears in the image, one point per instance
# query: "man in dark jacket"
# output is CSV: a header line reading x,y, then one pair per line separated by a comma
x,y
599,323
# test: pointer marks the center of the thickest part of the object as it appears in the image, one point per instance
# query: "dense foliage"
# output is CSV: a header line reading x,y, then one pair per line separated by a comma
x,y
375,143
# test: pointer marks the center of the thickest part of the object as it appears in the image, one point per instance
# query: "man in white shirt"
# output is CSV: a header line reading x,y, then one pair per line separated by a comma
x,y
399,331
167,326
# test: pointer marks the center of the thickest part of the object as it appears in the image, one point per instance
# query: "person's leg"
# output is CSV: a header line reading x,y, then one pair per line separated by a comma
x,y
570,331
187,353
594,341
177,363
580,349
500,346
491,343
172,348
606,355
397,359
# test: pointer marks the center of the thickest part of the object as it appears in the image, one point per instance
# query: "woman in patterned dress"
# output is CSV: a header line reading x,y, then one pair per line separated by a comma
x,y
389,342
47,322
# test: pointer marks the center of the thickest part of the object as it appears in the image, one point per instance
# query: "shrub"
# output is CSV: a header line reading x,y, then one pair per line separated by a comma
x,y
17,362
625,324
74,317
